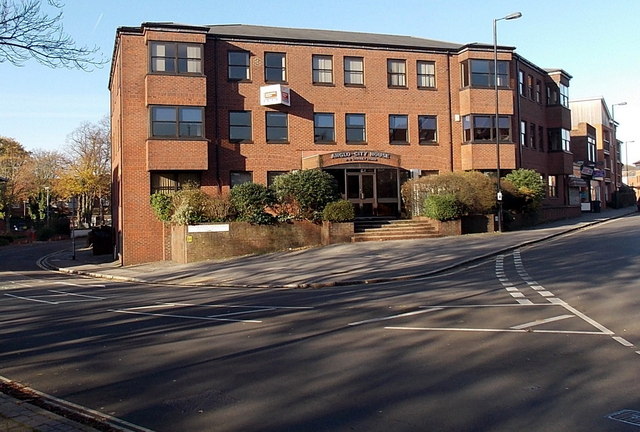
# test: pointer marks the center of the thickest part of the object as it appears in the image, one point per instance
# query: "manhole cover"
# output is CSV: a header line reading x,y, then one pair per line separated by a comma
x,y
626,416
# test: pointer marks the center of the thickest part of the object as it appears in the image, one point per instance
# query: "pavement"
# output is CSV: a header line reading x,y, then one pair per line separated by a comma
x,y
334,265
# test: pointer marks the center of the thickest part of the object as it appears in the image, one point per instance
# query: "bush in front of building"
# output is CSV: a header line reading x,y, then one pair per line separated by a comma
x,y
623,197
162,206
474,192
524,190
442,207
339,211
250,201
304,194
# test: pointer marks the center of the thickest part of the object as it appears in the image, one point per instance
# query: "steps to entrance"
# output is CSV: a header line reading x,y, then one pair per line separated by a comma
x,y
392,229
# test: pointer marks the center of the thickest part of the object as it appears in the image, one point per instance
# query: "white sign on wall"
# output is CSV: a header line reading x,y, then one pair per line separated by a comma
x,y
275,94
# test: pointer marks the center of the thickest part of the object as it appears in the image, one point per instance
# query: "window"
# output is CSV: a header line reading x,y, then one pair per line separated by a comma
x,y
530,93
552,186
354,70
239,65
277,127
426,74
323,128
521,83
275,67
523,134
564,95
541,138
176,122
532,135
552,95
322,66
180,58
538,91
169,182
239,177
591,148
398,129
427,129
480,128
271,176
480,73
396,73
559,139
355,128
240,126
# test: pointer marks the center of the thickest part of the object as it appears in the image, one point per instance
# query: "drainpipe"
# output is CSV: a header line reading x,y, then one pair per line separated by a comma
x,y
451,121
216,118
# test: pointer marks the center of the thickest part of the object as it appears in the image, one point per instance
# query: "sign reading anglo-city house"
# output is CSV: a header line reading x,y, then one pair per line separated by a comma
x,y
360,156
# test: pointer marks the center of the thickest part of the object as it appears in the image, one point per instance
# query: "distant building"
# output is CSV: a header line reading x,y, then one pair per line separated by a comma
x,y
225,104
595,128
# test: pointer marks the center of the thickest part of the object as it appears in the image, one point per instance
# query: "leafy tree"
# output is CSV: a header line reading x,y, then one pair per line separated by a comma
x,y
443,207
527,189
14,167
304,194
27,32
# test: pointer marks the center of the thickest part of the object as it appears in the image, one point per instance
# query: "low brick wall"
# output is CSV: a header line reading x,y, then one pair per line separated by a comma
x,y
216,241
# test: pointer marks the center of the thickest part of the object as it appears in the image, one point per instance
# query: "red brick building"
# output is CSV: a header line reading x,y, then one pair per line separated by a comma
x,y
221,105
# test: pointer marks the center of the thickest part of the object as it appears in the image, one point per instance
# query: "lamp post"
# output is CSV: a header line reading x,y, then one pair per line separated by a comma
x,y
511,16
46,188
613,111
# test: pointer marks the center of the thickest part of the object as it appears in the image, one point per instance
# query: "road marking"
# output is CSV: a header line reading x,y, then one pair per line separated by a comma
x,y
31,299
622,341
477,330
125,311
594,323
78,295
78,285
543,321
433,309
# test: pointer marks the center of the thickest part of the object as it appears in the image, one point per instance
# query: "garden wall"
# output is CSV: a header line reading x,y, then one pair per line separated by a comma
x,y
224,240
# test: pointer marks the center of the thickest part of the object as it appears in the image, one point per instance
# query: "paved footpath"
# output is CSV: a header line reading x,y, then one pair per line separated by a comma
x,y
334,265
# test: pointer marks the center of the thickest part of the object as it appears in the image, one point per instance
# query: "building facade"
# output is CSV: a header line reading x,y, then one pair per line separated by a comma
x,y
225,104
595,128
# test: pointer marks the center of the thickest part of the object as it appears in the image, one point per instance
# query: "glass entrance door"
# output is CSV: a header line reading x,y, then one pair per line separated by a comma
x,y
361,191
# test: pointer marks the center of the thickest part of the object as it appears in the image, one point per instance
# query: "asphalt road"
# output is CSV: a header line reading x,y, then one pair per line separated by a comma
x,y
546,338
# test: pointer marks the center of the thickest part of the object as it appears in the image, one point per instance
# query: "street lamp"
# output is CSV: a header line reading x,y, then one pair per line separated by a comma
x,y
511,16
613,110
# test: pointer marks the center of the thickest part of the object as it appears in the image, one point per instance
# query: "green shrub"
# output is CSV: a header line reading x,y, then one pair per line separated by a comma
x,y
528,188
339,211
190,206
250,201
442,207
44,234
304,194
161,206
474,191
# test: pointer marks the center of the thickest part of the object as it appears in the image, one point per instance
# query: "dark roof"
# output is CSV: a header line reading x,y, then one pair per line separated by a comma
x,y
242,31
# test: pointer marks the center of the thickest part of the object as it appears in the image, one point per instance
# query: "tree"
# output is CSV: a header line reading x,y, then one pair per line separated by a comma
x,y
528,189
304,194
88,174
26,32
14,167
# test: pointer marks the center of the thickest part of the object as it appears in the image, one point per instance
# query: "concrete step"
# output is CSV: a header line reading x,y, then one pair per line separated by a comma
x,y
384,229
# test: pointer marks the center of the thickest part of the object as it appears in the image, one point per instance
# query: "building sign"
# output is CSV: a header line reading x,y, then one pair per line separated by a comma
x,y
324,160
276,94
586,171
360,156
598,175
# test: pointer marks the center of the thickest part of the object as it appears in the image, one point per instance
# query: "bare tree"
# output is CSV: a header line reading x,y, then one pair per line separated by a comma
x,y
88,175
26,32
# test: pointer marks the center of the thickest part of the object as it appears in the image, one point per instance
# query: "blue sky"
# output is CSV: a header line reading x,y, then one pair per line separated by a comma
x,y
596,42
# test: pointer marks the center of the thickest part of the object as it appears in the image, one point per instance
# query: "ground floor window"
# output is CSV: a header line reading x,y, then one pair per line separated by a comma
x,y
271,176
239,177
552,186
169,182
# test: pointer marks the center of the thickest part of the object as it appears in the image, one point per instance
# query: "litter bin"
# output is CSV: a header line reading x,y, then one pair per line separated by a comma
x,y
595,206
